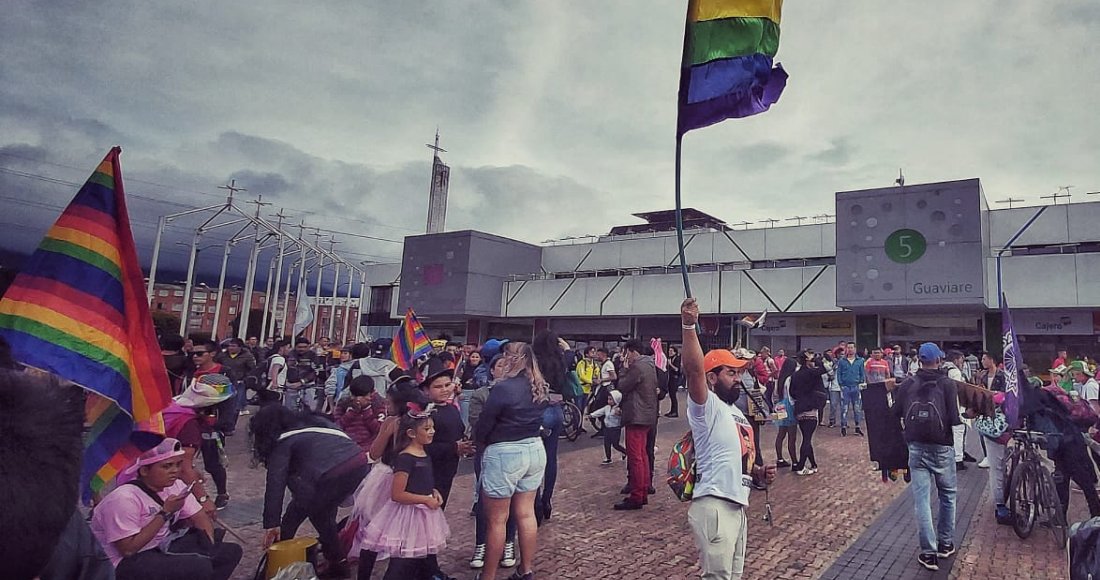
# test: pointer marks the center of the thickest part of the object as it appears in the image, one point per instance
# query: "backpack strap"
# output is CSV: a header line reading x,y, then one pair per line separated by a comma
x,y
149,492
319,430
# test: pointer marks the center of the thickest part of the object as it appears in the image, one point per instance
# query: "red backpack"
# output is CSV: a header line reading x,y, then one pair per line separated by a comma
x,y
1080,411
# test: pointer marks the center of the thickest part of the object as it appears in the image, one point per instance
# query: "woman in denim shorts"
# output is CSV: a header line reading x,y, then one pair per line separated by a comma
x,y
514,459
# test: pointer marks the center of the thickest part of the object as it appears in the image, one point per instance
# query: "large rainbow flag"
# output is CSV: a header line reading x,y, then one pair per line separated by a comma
x,y
78,310
727,66
410,343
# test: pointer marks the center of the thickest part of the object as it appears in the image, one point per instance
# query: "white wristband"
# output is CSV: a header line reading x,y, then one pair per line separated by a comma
x,y
687,326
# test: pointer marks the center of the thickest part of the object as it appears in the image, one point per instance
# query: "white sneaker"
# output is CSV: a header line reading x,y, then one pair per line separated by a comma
x,y
984,463
478,561
805,471
509,558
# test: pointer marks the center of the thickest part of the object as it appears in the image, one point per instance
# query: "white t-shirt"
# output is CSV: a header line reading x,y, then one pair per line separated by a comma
x,y
606,371
280,379
724,449
1090,391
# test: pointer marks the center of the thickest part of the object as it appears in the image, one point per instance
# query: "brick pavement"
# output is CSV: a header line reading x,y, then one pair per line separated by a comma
x,y
817,518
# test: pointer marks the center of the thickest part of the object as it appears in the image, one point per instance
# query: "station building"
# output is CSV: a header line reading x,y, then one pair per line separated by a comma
x,y
899,265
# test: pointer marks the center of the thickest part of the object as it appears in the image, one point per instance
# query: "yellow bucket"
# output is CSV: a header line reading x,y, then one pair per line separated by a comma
x,y
287,552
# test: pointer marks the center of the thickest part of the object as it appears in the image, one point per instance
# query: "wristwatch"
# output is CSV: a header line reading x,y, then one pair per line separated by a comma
x,y
204,499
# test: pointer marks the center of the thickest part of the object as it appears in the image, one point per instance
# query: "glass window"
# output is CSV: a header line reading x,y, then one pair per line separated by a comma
x,y
232,309
162,292
178,293
177,308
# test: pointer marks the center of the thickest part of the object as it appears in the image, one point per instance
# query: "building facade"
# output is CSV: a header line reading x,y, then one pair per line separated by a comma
x,y
899,265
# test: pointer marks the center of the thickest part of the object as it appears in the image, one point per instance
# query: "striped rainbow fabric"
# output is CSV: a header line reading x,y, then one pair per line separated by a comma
x,y
78,310
410,343
727,67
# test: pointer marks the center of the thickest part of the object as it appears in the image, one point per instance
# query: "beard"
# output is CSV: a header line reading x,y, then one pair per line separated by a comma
x,y
728,394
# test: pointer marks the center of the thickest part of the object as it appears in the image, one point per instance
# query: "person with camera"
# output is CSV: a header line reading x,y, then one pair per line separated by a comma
x,y
724,452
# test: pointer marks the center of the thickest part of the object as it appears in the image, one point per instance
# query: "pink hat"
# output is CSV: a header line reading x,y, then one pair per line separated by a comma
x,y
167,449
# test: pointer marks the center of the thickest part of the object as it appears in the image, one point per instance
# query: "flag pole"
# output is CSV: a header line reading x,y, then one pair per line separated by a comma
x,y
680,218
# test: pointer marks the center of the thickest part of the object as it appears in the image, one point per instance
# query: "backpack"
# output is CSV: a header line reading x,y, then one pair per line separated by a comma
x,y
682,472
924,418
1080,411
1084,550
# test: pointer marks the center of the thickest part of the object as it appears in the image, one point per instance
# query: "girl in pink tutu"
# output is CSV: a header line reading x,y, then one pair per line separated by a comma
x,y
376,489
411,528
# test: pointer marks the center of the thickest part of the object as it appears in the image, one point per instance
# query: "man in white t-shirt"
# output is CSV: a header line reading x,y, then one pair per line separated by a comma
x,y
724,453
276,366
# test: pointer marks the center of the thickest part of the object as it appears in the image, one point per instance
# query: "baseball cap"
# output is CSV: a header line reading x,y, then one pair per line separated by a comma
x,y
929,352
721,357
1078,366
167,449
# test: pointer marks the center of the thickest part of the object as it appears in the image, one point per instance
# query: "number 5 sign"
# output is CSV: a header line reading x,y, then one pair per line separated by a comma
x,y
905,246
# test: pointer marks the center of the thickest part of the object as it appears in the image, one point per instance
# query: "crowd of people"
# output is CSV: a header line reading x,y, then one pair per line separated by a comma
x,y
339,424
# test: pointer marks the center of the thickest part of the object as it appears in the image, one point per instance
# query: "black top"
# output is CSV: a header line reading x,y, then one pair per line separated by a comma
x,y
509,414
804,382
421,481
300,461
449,429
942,387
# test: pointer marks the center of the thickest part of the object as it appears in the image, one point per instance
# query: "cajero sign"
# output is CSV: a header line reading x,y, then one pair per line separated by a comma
x,y
912,245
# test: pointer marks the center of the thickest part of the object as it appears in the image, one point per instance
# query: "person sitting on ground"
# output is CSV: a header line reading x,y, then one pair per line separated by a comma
x,y
136,521
358,415
724,452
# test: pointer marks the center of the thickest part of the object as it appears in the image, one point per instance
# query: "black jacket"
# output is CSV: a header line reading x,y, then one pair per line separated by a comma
x,y
299,461
943,392
804,383
509,414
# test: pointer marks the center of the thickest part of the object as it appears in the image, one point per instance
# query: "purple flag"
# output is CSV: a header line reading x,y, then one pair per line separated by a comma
x,y
1012,364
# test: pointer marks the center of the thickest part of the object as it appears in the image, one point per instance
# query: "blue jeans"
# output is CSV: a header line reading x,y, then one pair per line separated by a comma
x,y
834,406
928,461
464,405
553,422
850,398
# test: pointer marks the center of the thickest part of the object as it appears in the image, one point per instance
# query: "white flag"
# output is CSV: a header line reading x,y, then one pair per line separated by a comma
x,y
303,314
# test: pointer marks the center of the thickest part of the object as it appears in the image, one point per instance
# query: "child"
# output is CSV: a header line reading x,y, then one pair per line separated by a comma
x,y
411,528
360,414
612,416
375,490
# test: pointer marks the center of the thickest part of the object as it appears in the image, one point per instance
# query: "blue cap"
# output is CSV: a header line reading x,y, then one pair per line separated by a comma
x,y
930,352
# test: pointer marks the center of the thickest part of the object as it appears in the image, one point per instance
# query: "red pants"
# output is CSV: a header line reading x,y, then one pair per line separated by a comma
x,y
637,462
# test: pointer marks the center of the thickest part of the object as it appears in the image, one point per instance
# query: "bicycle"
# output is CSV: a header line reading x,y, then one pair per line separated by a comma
x,y
1032,496
572,425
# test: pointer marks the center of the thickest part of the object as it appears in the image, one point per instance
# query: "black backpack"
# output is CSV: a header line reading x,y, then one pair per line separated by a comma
x,y
925,416
1084,550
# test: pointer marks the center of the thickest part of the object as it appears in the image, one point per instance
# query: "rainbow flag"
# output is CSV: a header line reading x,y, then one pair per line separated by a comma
x,y
727,67
78,310
410,343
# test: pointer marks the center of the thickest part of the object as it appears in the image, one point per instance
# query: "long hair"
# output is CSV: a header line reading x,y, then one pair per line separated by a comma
x,y
270,422
521,360
412,419
41,429
400,396
548,354
789,366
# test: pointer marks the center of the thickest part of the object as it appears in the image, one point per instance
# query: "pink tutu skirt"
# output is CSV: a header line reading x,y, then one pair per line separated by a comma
x,y
373,493
406,531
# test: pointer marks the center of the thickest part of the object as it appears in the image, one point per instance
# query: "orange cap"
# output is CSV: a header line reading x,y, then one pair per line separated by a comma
x,y
721,357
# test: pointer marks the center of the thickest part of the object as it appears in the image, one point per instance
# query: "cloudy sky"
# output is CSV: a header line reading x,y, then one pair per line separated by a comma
x,y
559,117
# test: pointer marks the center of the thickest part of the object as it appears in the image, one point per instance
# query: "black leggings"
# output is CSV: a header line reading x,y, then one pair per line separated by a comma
x,y
212,462
673,387
157,565
611,438
320,505
807,426
408,569
756,440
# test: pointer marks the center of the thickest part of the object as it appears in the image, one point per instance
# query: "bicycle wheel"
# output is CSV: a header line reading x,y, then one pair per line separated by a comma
x,y
571,425
1051,507
1022,500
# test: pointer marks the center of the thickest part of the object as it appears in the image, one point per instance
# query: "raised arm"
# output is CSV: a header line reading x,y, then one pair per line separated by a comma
x,y
691,355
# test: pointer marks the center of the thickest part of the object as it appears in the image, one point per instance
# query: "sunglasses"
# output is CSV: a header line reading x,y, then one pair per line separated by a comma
x,y
199,352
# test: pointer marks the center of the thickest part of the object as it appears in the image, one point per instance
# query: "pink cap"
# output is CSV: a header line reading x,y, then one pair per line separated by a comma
x,y
167,449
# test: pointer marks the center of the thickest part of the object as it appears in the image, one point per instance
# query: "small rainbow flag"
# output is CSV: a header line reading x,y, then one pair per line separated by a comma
x,y
727,66
410,343
78,310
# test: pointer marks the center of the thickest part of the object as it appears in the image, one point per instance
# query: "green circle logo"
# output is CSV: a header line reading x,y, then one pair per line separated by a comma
x,y
905,246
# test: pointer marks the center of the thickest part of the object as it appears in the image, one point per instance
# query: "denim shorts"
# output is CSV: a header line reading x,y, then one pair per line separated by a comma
x,y
513,467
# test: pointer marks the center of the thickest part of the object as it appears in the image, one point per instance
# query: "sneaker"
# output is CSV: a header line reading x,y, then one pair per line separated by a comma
x,y
626,504
929,561
245,412
984,463
843,431
477,562
859,432
945,550
967,457
605,462
650,490
804,471
813,470
782,463
221,501
509,558
960,466
517,575
831,425
1003,515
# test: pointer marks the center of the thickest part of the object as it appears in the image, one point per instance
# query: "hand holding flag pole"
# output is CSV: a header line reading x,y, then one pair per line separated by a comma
x,y
726,73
